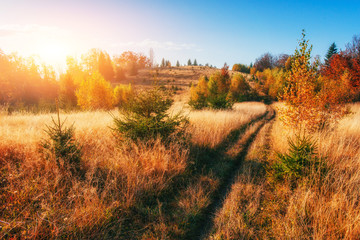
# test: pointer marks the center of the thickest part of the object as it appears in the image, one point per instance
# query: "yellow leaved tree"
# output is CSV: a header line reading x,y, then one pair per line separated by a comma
x,y
95,92
309,105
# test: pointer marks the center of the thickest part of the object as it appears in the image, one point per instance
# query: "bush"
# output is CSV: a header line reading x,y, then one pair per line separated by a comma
x,y
62,146
298,162
241,68
145,117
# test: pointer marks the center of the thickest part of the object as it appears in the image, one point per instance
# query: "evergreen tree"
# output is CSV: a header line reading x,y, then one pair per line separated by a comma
x,y
177,63
331,51
195,63
189,62
163,63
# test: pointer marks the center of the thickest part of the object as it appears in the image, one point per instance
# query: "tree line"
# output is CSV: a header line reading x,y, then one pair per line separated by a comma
x,y
87,82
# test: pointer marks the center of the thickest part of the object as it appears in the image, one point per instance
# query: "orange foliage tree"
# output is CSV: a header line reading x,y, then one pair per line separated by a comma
x,y
131,62
95,93
199,93
309,103
343,69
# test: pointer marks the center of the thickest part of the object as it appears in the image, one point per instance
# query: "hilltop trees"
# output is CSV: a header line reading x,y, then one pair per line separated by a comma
x,y
241,68
105,66
219,91
265,61
131,62
189,62
97,60
240,89
343,69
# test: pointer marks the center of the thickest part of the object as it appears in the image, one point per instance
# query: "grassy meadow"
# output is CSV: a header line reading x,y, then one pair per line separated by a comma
x,y
138,190
321,206
234,171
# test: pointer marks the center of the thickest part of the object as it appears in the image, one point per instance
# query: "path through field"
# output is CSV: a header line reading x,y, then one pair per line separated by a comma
x,y
239,142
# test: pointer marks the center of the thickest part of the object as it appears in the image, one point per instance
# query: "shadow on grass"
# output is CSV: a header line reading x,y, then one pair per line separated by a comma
x,y
158,215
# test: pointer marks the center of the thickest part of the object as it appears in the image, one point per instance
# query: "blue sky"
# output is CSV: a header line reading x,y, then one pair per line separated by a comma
x,y
211,31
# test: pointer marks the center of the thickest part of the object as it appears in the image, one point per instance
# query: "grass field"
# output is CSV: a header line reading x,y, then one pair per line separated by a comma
x,y
129,191
319,207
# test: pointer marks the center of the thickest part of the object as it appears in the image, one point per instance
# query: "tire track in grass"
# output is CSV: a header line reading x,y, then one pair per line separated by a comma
x,y
204,227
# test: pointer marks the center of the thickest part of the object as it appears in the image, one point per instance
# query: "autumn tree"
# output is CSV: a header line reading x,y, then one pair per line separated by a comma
x,y
281,60
343,69
131,62
239,89
199,94
308,105
106,66
76,70
96,60
265,61
95,93
241,68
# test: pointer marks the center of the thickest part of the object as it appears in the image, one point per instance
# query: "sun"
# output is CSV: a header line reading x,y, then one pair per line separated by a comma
x,y
53,53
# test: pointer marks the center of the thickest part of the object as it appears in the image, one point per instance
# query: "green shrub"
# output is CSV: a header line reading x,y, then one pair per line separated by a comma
x,y
62,146
146,117
300,161
241,68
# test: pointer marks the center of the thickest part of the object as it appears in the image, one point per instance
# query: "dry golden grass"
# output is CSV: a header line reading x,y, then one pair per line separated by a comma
x,y
27,129
181,77
40,201
321,206
238,218
209,127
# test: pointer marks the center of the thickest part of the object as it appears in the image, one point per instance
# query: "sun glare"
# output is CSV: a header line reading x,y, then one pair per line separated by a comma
x,y
53,53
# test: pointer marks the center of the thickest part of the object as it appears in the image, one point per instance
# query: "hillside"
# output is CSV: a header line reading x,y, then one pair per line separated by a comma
x,y
180,77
